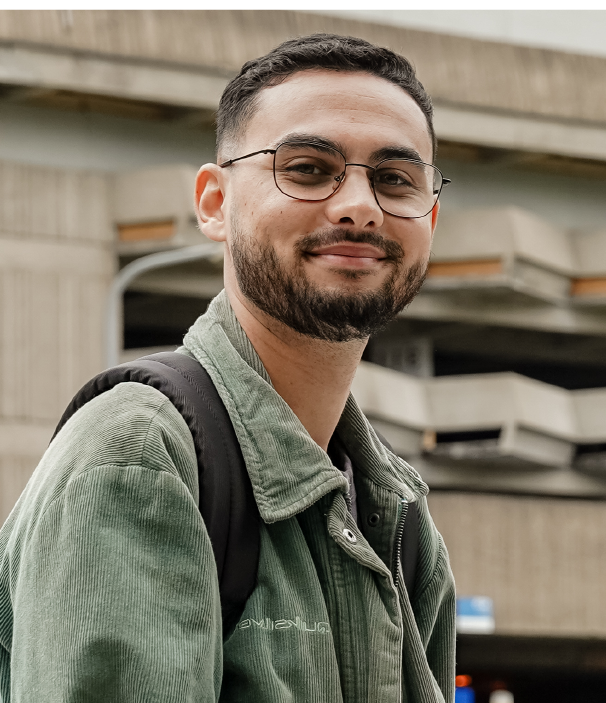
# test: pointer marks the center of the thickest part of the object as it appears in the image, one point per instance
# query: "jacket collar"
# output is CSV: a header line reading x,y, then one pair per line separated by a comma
x,y
288,470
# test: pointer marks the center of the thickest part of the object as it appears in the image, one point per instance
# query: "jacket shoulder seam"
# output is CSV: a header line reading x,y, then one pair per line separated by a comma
x,y
99,467
130,464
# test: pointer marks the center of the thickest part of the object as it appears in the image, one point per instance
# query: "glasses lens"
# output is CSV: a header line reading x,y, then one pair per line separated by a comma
x,y
407,188
308,172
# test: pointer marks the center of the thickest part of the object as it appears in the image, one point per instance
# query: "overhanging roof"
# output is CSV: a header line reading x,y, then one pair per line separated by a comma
x,y
489,93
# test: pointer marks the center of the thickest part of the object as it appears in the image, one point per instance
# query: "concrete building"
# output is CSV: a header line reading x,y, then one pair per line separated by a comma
x,y
492,383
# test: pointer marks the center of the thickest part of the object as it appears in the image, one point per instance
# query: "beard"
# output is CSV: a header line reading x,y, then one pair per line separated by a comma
x,y
329,315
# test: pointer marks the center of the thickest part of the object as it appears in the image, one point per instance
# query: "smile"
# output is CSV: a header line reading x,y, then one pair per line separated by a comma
x,y
349,255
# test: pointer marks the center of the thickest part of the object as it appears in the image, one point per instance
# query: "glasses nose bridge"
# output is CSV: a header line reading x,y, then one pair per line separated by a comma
x,y
372,169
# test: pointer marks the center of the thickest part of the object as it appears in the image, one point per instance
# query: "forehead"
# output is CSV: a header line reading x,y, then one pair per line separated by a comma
x,y
361,111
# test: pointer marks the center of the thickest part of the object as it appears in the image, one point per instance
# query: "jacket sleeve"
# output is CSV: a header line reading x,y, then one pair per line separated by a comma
x,y
117,596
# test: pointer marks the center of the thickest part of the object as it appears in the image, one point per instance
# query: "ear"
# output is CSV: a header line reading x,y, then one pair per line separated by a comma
x,y
434,217
209,201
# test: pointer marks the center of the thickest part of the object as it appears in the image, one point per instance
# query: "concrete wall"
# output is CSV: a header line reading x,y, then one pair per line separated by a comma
x,y
542,560
56,261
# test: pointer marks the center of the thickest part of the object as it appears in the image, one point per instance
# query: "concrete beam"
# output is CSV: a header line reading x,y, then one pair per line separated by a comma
x,y
189,87
535,424
440,473
518,254
179,282
392,396
519,132
142,199
504,308
198,88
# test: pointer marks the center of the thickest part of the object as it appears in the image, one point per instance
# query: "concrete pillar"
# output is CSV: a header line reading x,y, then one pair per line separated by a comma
x,y
56,262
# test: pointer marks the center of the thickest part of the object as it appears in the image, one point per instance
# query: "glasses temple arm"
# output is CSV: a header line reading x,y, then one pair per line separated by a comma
x,y
232,161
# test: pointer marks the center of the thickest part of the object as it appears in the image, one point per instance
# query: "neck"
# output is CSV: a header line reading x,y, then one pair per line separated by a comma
x,y
313,376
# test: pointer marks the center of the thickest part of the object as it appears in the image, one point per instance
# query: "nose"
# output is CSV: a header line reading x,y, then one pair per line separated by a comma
x,y
354,202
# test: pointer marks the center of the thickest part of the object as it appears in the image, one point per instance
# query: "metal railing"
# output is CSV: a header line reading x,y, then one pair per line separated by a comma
x,y
115,309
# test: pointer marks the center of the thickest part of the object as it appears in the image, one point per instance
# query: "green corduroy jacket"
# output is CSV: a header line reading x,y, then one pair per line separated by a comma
x,y
108,586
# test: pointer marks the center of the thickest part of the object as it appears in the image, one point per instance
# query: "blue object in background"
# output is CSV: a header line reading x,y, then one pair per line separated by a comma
x,y
465,694
475,615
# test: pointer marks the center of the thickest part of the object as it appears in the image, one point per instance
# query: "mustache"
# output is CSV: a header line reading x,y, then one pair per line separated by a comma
x,y
392,250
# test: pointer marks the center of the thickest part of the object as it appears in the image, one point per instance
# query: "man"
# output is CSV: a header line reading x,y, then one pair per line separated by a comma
x,y
326,199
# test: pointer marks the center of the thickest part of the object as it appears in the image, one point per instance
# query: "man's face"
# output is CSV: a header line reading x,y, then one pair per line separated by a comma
x,y
336,269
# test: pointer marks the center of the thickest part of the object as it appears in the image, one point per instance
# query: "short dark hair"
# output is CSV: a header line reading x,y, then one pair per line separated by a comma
x,y
323,51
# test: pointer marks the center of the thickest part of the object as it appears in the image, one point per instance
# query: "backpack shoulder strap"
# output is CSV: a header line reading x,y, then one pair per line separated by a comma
x,y
410,548
227,502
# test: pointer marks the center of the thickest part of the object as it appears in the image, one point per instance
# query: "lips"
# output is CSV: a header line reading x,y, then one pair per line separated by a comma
x,y
349,256
350,250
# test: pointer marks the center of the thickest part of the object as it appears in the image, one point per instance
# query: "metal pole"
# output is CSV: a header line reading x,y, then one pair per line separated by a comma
x,y
114,312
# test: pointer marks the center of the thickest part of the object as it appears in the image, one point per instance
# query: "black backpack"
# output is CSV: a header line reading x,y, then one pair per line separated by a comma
x,y
227,502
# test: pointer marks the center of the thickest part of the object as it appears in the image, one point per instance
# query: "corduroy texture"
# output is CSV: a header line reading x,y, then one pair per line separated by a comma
x,y
108,588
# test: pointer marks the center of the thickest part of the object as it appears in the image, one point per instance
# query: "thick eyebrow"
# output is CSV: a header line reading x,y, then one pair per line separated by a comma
x,y
320,143
395,152
328,145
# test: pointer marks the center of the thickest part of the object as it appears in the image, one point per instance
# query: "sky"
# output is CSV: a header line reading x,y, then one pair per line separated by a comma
x,y
577,31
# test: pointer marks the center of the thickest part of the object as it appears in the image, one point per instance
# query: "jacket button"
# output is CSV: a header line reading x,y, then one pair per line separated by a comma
x,y
374,519
349,536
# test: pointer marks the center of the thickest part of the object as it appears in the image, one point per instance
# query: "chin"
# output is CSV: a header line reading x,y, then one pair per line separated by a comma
x,y
348,277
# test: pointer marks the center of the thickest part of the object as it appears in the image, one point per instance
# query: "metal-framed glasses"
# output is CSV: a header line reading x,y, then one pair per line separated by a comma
x,y
402,187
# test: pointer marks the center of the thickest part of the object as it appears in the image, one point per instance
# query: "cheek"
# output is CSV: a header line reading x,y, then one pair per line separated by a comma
x,y
280,223
416,239
251,195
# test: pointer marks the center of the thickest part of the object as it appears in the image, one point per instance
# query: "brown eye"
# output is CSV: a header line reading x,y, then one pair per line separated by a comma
x,y
391,178
304,169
